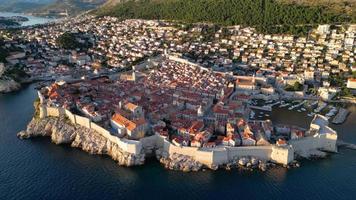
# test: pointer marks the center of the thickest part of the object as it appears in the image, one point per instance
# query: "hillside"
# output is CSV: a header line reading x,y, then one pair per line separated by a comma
x,y
22,5
73,7
268,16
339,6
51,7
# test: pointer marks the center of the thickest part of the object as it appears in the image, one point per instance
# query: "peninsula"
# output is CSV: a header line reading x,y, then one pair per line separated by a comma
x,y
187,116
193,95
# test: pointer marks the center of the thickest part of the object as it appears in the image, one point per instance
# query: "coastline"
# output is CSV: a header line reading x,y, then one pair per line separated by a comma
x,y
10,85
62,132
58,124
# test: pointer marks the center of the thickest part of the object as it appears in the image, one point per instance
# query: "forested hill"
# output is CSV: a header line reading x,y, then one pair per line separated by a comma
x,y
266,15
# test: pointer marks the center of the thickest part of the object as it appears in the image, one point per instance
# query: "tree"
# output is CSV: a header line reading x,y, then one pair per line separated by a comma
x,y
68,41
295,87
267,16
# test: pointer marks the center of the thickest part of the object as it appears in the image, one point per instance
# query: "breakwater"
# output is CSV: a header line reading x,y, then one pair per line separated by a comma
x,y
341,116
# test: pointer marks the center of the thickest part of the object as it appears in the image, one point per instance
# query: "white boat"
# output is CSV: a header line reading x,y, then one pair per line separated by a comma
x,y
284,105
320,108
299,110
311,114
303,109
332,112
274,104
252,114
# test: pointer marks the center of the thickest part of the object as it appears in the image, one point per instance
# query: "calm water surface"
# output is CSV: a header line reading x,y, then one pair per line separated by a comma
x,y
37,169
32,19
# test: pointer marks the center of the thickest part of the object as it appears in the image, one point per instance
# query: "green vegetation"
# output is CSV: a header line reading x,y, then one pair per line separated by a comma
x,y
339,6
295,87
8,22
340,80
3,52
16,72
37,104
74,7
267,16
68,41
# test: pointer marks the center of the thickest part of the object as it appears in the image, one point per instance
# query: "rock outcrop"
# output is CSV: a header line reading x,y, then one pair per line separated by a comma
x,y
62,131
8,85
180,162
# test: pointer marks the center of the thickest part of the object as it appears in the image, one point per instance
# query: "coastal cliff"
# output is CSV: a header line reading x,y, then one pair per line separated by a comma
x,y
66,128
62,131
8,85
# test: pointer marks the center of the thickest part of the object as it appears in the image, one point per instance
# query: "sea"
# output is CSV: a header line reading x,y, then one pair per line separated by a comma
x,y
37,169
33,20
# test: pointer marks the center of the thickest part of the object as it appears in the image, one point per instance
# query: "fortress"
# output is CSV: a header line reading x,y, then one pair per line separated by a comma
x,y
323,138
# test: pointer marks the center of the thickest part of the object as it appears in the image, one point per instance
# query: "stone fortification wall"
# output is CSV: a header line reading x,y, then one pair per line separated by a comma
x,y
83,121
129,146
304,146
262,152
218,156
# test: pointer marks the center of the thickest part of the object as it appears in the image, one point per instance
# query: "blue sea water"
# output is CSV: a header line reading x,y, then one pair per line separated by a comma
x,y
38,169
32,20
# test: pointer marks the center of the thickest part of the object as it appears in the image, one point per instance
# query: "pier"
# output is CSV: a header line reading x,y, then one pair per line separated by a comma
x,y
264,108
341,116
341,143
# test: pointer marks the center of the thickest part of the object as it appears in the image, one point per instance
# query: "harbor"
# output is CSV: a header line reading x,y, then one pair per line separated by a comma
x,y
309,108
341,116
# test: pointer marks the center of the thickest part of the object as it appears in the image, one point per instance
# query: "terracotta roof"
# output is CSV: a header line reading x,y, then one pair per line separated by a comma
x,y
121,120
131,106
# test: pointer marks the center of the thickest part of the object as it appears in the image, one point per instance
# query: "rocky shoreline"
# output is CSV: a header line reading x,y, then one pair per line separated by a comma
x,y
179,162
62,131
184,163
9,86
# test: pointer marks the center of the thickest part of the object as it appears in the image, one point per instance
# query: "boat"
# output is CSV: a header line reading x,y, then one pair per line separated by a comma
x,y
285,105
311,114
332,112
320,108
303,109
252,114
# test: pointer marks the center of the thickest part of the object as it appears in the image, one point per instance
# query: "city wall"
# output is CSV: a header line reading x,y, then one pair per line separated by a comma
x,y
223,155
130,146
217,156
326,142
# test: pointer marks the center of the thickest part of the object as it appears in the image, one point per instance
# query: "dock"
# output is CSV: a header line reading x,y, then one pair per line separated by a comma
x,y
341,116
264,108
340,143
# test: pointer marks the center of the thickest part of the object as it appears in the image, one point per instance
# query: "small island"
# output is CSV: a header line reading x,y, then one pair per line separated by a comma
x,y
12,22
